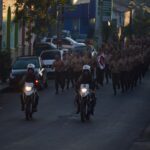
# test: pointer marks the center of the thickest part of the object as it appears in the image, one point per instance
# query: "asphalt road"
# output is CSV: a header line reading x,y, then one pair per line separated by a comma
x,y
118,121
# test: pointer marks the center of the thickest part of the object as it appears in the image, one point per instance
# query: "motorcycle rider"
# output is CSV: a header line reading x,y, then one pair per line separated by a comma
x,y
86,78
31,78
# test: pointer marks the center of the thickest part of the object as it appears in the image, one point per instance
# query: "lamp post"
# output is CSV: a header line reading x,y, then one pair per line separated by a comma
x,y
131,7
59,16
100,37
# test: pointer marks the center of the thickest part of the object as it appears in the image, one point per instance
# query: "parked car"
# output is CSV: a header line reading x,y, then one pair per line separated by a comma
x,y
66,42
43,46
65,33
84,49
81,38
48,58
19,69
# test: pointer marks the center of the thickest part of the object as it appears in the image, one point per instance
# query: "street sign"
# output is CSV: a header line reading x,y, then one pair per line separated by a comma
x,y
107,9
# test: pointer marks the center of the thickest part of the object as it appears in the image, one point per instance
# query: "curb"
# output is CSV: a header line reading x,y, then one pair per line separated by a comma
x,y
3,87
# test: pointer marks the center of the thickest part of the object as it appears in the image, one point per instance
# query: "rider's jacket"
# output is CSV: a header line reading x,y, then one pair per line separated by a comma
x,y
86,80
30,77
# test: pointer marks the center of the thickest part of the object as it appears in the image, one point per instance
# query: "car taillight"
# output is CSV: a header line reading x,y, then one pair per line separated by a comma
x,y
36,82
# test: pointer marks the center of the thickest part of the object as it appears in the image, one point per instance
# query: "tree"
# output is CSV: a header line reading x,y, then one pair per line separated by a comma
x,y
8,28
37,16
39,12
16,33
140,20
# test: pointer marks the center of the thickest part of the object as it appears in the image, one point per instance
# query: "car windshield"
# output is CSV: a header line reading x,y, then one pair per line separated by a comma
x,y
23,62
41,47
50,55
71,40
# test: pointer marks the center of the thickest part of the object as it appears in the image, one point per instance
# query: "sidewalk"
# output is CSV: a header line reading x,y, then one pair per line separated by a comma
x,y
3,86
143,142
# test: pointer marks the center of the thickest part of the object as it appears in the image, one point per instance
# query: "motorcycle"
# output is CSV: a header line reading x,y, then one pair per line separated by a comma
x,y
29,95
85,102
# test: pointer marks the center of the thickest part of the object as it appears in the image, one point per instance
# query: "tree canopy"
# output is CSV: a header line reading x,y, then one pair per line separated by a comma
x,y
41,13
140,19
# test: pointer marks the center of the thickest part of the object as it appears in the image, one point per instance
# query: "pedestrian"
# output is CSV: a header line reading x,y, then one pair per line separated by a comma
x,y
68,72
114,67
76,64
100,67
123,73
107,61
59,76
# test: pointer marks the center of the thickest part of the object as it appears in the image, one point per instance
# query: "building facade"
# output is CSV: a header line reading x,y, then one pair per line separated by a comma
x,y
81,20
1,18
17,32
85,19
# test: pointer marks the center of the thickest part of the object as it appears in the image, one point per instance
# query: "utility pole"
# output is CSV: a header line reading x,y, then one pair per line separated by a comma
x,y
131,7
100,37
59,22
1,12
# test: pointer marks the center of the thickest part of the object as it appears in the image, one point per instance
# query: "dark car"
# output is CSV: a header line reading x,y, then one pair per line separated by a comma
x,y
84,49
38,48
19,69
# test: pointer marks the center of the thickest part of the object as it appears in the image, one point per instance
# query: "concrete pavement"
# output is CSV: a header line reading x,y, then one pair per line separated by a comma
x,y
3,86
118,121
143,141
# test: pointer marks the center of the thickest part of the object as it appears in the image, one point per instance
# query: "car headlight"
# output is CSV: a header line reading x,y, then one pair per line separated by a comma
x,y
83,90
28,88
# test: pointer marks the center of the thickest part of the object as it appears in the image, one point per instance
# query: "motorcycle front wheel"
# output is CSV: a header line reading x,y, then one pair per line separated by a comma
x,y
28,110
83,111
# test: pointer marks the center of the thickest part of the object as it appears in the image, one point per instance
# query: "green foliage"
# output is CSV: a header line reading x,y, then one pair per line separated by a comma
x,y
5,65
8,28
140,21
16,32
41,13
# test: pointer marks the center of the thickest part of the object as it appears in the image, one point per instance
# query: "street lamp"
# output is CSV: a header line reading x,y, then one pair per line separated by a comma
x,y
59,23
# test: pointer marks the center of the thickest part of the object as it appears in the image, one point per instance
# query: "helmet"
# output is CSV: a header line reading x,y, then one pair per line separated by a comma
x,y
86,67
30,67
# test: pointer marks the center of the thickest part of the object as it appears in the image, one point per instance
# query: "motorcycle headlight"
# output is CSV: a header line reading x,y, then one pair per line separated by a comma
x,y
83,90
28,88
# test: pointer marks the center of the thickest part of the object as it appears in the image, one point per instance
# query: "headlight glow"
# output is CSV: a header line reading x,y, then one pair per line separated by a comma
x,y
83,90
28,88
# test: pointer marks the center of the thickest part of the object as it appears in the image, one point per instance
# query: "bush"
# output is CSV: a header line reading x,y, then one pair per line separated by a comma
x,y
5,65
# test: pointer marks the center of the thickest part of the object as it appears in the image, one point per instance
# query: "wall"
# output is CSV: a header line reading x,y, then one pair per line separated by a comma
x,y
79,20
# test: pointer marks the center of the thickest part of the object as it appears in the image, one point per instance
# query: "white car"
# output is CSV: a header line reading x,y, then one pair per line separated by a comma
x,y
48,58
66,42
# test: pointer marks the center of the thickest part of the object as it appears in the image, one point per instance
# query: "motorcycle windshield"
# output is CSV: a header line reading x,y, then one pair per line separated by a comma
x,y
86,86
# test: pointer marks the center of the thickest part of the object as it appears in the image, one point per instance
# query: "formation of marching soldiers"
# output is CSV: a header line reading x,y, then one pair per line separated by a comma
x,y
129,66
125,67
